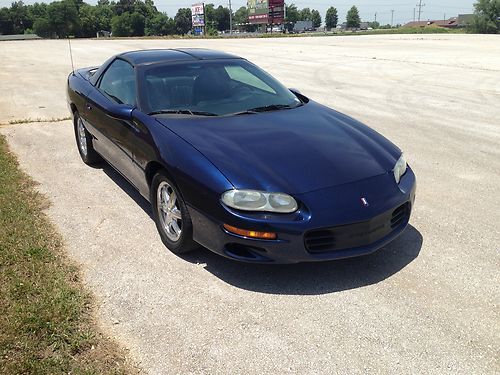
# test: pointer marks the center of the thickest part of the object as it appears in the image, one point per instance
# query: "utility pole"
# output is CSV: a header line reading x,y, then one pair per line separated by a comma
x,y
420,6
444,17
375,16
230,19
204,21
414,14
392,17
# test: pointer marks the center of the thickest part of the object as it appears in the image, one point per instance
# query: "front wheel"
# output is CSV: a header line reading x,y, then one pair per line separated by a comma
x,y
84,142
171,215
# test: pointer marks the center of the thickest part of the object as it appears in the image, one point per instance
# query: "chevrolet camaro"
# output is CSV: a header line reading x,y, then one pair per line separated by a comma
x,y
232,160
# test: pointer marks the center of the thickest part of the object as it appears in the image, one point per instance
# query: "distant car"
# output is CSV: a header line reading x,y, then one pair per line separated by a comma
x,y
232,160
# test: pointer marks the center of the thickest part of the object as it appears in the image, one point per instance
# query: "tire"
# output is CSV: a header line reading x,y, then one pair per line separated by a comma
x,y
84,142
171,215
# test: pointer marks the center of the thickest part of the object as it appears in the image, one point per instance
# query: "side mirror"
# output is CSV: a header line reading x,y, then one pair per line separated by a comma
x,y
120,111
298,94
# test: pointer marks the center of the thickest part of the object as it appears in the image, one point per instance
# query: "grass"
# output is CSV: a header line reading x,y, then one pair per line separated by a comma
x,y
400,30
46,316
38,119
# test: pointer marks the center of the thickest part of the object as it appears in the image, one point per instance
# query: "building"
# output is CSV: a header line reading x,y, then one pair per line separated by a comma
x,y
452,23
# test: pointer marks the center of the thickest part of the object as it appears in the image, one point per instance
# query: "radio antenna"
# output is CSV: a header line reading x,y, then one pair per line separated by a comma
x,y
71,57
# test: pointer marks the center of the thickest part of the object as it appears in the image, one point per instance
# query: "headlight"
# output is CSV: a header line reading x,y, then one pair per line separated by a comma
x,y
400,169
252,200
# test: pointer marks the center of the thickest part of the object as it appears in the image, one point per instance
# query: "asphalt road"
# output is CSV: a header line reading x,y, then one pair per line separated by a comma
x,y
427,303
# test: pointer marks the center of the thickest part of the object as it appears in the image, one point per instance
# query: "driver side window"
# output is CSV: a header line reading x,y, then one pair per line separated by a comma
x,y
118,82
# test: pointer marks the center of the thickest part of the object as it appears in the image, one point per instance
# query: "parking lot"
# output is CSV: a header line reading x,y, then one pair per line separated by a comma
x,y
427,303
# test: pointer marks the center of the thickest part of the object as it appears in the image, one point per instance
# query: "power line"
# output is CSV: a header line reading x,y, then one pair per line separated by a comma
x,y
420,5
230,19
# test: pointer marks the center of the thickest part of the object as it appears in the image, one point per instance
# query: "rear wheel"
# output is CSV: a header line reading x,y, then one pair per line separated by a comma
x,y
171,215
84,142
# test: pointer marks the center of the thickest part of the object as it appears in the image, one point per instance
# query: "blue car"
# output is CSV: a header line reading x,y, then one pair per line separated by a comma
x,y
232,160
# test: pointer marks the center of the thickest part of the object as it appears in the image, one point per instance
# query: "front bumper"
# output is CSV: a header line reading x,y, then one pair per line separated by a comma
x,y
331,224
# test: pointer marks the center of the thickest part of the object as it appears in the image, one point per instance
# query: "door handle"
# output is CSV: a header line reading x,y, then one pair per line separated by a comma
x,y
89,107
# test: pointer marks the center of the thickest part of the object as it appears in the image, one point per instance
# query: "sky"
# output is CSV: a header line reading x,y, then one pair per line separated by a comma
x,y
403,9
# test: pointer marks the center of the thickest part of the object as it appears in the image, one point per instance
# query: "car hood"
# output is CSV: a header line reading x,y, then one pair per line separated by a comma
x,y
294,151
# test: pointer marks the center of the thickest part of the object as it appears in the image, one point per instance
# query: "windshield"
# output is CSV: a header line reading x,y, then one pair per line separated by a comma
x,y
212,88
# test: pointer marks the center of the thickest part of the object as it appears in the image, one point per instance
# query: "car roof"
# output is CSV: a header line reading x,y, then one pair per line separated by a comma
x,y
152,56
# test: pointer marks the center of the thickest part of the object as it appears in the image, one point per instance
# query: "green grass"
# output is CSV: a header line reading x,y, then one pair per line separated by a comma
x,y
38,119
46,316
414,30
400,30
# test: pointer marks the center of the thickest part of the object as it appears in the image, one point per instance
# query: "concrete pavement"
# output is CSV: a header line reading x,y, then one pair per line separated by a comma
x,y
427,303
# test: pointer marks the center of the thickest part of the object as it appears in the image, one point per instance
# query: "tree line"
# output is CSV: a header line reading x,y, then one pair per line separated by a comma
x,y
63,18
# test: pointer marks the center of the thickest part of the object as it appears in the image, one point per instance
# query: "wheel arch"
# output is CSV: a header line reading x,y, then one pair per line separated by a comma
x,y
152,168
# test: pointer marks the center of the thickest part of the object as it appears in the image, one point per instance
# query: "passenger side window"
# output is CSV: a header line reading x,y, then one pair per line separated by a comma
x,y
118,82
238,73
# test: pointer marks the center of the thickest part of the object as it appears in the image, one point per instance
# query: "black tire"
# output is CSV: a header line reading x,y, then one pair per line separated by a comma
x,y
87,153
184,243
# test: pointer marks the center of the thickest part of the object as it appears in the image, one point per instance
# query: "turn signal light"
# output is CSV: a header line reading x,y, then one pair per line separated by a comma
x,y
251,233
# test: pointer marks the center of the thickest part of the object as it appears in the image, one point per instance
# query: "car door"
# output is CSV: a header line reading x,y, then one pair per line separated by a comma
x,y
114,137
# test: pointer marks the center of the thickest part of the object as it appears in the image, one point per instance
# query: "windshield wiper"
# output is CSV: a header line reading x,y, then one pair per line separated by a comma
x,y
181,112
268,108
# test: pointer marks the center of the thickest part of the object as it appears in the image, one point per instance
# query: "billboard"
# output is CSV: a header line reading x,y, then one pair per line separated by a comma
x,y
266,11
258,11
277,11
198,15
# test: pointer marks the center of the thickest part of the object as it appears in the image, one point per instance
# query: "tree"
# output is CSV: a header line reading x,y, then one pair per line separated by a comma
x,y
210,15
292,14
20,17
6,26
121,25
43,27
151,6
88,21
37,10
159,24
241,15
332,18
183,21
123,6
486,17
137,21
316,18
222,18
63,16
103,15
305,15
353,20
374,25
146,9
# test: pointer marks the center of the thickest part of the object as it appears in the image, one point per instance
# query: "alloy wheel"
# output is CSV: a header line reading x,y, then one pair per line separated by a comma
x,y
169,211
82,137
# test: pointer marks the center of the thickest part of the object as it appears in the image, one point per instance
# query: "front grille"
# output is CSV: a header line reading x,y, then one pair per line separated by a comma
x,y
358,234
399,215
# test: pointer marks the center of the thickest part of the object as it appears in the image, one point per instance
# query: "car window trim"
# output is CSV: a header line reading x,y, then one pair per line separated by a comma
x,y
110,97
